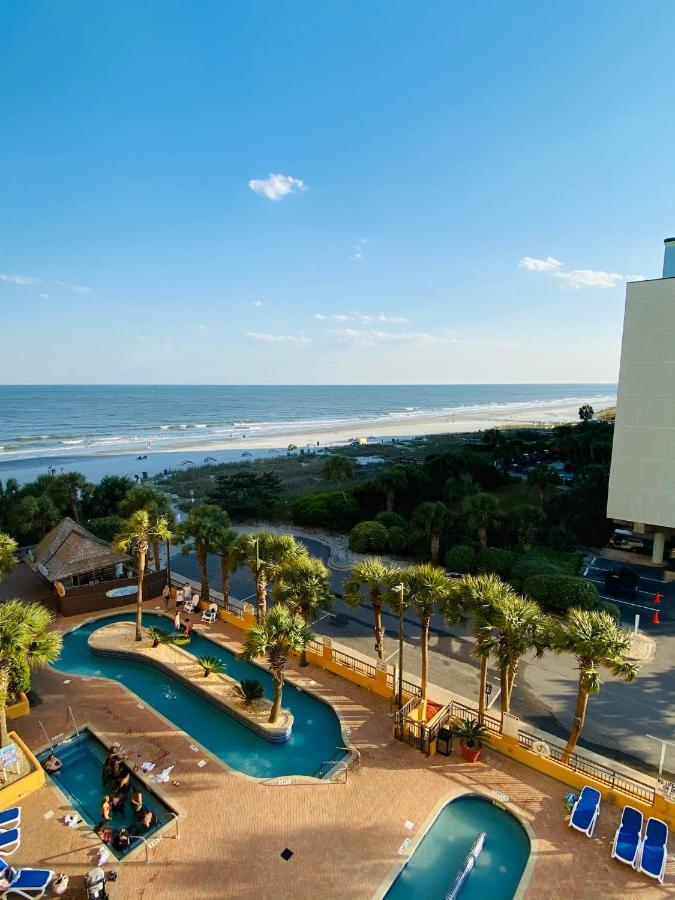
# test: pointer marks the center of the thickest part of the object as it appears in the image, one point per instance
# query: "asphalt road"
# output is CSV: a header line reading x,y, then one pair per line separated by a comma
x,y
619,718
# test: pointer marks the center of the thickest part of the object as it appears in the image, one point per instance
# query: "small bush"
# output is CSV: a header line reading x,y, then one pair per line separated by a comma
x,y
249,690
460,558
558,593
390,520
368,537
493,559
325,509
611,608
398,540
530,567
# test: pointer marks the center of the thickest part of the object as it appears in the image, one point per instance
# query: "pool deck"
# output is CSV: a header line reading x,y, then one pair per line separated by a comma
x,y
344,836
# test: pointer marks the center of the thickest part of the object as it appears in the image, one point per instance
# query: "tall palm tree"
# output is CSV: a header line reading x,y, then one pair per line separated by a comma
x,y
156,503
264,553
338,468
373,575
227,549
427,589
391,480
484,594
24,640
544,478
480,512
597,641
7,550
529,518
430,517
279,634
204,528
304,586
135,537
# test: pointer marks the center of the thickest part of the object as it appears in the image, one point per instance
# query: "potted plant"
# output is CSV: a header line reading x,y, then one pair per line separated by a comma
x,y
211,664
471,734
249,690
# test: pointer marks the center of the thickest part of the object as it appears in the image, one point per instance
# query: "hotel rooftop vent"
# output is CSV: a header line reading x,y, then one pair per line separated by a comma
x,y
669,258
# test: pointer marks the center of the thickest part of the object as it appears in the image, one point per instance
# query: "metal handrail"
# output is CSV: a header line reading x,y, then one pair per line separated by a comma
x,y
71,718
44,731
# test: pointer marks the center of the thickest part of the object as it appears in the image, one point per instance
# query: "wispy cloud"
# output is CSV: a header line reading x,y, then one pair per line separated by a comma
x,y
276,186
266,338
45,296
257,303
196,328
359,247
550,264
78,288
370,337
576,278
20,279
362,318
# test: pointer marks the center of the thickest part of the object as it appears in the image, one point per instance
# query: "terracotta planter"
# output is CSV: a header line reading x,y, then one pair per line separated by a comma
x,y
470,754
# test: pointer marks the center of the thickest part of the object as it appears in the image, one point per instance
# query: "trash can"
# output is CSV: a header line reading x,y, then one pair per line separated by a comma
x,y
444,742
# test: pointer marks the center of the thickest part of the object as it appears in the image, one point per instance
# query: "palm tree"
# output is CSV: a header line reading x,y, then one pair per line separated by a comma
x,y
338,468
544,478
430,517
528,518
373,575
596,640
24,640
480,511
264,553
427,589
156,503
227,549
136,535
484,594
205,526
391,480
303,585
7,550
280,633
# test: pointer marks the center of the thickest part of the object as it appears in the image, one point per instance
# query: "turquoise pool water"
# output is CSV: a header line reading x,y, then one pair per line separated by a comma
x,y
80,780
497,873
316,736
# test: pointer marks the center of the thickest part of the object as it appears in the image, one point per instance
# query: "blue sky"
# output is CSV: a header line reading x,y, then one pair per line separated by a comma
x,y
467,186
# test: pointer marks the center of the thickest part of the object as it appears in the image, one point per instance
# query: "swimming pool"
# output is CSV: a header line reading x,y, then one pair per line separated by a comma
x,y
316,738
80,780
431,869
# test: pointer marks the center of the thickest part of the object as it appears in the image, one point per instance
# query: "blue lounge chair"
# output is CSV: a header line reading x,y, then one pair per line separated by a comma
x,y
627,838
10,818
653,854
27,883
9,839
585,811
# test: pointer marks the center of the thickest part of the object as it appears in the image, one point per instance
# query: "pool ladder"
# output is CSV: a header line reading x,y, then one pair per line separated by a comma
x,y
70,720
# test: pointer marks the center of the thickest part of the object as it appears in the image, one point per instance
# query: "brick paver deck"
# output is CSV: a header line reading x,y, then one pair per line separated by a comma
x,y
344,836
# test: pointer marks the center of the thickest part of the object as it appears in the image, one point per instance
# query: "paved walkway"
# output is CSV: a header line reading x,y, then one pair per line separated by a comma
x,y
344,837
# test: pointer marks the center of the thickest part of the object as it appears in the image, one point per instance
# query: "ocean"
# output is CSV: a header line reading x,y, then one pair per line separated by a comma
x,y
71,425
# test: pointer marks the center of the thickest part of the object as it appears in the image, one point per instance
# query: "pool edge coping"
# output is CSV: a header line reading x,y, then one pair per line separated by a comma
x,y
352,752
397,868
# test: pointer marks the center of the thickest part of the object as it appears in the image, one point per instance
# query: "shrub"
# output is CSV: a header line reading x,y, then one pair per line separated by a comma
x,y
19,676
398,540
557,593
106,527
493,559
611,608
325,509
249,690
529,567
368,537
211,664
390,520
460,558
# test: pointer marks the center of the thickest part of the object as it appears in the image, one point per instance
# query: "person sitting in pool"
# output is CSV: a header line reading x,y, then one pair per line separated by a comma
x,y
188,628
52,764
136,800
117,801
147,818
176,621
104,831
106,809
123,780
121,839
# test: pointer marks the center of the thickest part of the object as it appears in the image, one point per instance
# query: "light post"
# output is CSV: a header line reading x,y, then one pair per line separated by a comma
x,y
255,541
400,588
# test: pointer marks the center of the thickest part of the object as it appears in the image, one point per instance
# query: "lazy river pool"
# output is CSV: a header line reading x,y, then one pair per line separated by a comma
x,y
316,737
430,872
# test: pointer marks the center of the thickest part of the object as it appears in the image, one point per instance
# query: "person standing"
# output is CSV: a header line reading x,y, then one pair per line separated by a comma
x,y
166,594
176,621
187,593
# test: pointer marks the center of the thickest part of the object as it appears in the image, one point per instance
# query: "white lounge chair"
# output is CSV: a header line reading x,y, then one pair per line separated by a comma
x,y
209,615
628,835
27,883
9,840
585,811
653,852
10,818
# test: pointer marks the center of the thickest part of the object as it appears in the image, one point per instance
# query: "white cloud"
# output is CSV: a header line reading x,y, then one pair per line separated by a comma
x,y
359,248
45,296
78,288
362,318
196,328
266,338
257,303
20,279
549,264
371,337
581,278
276,186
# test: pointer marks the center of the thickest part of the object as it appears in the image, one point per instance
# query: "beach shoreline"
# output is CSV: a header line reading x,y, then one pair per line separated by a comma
x,y
141,462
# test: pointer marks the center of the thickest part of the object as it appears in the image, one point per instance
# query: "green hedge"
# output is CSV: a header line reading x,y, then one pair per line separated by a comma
x,y
528,567
460,558
493,559
368,537
558,593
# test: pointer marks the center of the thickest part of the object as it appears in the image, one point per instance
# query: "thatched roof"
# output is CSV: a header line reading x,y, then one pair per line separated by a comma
x,y
69,549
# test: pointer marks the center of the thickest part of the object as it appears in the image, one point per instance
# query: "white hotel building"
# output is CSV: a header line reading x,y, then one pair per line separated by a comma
x,y
642,477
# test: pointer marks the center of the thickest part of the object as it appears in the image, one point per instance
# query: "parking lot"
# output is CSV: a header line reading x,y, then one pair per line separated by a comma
x,y
644,602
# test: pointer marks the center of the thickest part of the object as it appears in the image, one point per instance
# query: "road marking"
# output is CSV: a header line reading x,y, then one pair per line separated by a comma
x,y
627,603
